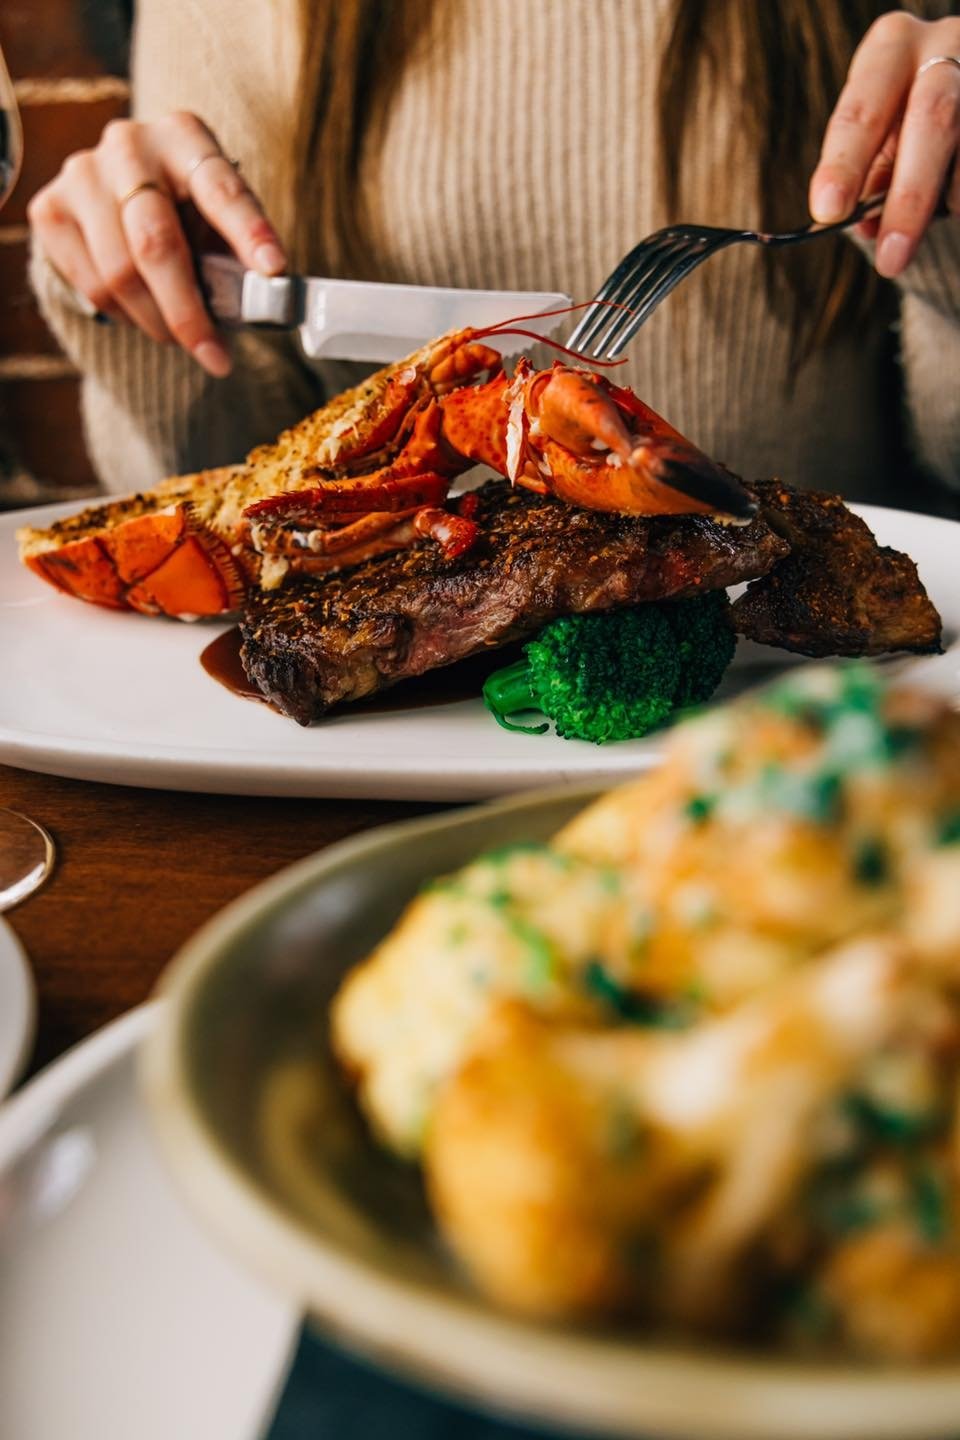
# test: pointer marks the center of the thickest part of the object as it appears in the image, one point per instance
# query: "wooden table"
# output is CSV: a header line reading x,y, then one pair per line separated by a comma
x,y
137,872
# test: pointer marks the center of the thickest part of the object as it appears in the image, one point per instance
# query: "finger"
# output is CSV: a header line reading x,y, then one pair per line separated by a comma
x,y
159,249
155,240
97,215
199,170
953,190
868,107
65,249
878,181
929,137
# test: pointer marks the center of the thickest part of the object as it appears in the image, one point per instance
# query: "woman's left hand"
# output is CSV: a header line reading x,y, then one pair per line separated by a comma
x,y
897,125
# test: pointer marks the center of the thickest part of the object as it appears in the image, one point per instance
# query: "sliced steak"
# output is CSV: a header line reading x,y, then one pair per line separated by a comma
x,y
315,643
838,592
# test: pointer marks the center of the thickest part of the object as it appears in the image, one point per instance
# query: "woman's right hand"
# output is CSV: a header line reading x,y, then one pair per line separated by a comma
x,y
109,224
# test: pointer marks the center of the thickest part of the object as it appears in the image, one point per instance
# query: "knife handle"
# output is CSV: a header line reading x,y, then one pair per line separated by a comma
x,y
242,297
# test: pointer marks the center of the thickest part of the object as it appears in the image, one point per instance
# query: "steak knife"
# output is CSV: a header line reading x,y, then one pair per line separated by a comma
x,y
361,320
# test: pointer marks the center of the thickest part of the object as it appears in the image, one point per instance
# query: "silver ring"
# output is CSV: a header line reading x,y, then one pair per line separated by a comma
x,y
202,160
938,60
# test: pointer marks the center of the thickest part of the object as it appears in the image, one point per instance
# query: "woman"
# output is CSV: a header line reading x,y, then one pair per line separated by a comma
x,y
528,146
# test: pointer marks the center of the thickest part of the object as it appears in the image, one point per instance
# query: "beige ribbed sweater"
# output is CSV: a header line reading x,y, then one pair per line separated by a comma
x,y
522,157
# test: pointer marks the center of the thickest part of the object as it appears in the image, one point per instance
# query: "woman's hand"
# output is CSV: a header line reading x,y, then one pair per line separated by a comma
x,y
109,224
895,127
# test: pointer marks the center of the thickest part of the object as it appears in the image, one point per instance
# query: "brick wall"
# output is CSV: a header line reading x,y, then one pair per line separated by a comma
x,y
66,60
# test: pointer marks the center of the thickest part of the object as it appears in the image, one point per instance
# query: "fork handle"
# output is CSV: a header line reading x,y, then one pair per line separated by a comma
x,y
859,212
865,206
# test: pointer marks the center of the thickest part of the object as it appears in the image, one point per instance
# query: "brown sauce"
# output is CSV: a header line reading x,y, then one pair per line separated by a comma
x,y
221,660
446,686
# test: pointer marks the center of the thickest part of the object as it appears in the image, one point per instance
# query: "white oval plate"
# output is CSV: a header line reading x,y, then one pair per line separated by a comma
x,y
17,1008
119,1320
101,694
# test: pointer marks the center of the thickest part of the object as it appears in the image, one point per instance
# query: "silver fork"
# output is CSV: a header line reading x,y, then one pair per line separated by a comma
x,y
645,276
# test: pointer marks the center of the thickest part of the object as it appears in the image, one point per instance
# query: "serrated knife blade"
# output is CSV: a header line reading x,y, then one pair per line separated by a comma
x,y
364,320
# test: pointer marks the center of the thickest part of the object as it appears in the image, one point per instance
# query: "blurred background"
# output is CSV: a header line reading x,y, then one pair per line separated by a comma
x,y
68,61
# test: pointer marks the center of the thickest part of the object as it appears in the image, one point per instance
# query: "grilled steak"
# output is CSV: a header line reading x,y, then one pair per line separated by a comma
x,y
313,644
838,592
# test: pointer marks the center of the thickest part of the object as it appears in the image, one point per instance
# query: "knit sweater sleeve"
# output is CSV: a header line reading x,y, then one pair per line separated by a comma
x,y
930,349
150,410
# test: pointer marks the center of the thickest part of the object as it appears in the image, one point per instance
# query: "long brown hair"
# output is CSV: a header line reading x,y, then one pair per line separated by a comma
x,y
795,54
352,51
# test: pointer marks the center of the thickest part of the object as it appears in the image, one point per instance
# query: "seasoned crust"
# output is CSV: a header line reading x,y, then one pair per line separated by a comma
x,y
203,490
838,592
315,643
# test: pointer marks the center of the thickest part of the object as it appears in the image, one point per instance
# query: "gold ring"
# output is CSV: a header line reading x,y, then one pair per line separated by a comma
x,y
938,60
136,189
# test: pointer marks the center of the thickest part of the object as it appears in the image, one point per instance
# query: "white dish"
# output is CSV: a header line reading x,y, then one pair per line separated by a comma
x,y
17,1007
105,695
119,1320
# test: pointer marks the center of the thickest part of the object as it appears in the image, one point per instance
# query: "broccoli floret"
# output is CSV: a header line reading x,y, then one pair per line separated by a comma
x,y
615,676
705,640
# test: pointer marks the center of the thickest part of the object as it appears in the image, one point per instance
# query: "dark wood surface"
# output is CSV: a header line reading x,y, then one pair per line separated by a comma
x,y
138,871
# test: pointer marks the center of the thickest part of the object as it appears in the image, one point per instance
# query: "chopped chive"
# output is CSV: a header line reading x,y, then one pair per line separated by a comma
x,y
930,1207
871,863
631,1005
541,961
700,807
893,1127
610,880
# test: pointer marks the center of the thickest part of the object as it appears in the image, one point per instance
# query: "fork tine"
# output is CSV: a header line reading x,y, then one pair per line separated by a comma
x,y
652,277
649,261
592,319
648,273
609,315
643,306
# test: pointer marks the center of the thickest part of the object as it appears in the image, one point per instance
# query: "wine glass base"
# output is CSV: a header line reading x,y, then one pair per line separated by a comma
x,y
27,855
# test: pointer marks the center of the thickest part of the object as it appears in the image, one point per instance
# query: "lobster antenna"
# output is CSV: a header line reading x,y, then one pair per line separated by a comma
x,y
512,327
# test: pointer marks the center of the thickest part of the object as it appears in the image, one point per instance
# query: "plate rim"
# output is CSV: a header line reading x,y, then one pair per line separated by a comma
x,y
63,1077
499,1361
12,949
31,1119
222,768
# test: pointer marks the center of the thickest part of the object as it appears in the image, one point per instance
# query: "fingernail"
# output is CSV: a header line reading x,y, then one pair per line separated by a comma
x,y
214,358
269,258
893,252
829,202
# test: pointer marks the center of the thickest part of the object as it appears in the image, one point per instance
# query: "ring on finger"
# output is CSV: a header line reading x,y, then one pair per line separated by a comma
x,y
138,189
938,60
202,160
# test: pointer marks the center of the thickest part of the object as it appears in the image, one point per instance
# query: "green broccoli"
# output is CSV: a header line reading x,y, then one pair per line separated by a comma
x,y
615,676
705,640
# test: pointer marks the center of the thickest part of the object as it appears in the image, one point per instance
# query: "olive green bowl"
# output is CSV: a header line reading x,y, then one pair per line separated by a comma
x,y
263,1136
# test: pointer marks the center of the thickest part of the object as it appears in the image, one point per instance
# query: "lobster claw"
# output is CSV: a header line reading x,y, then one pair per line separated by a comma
x,y
606,450
682,467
